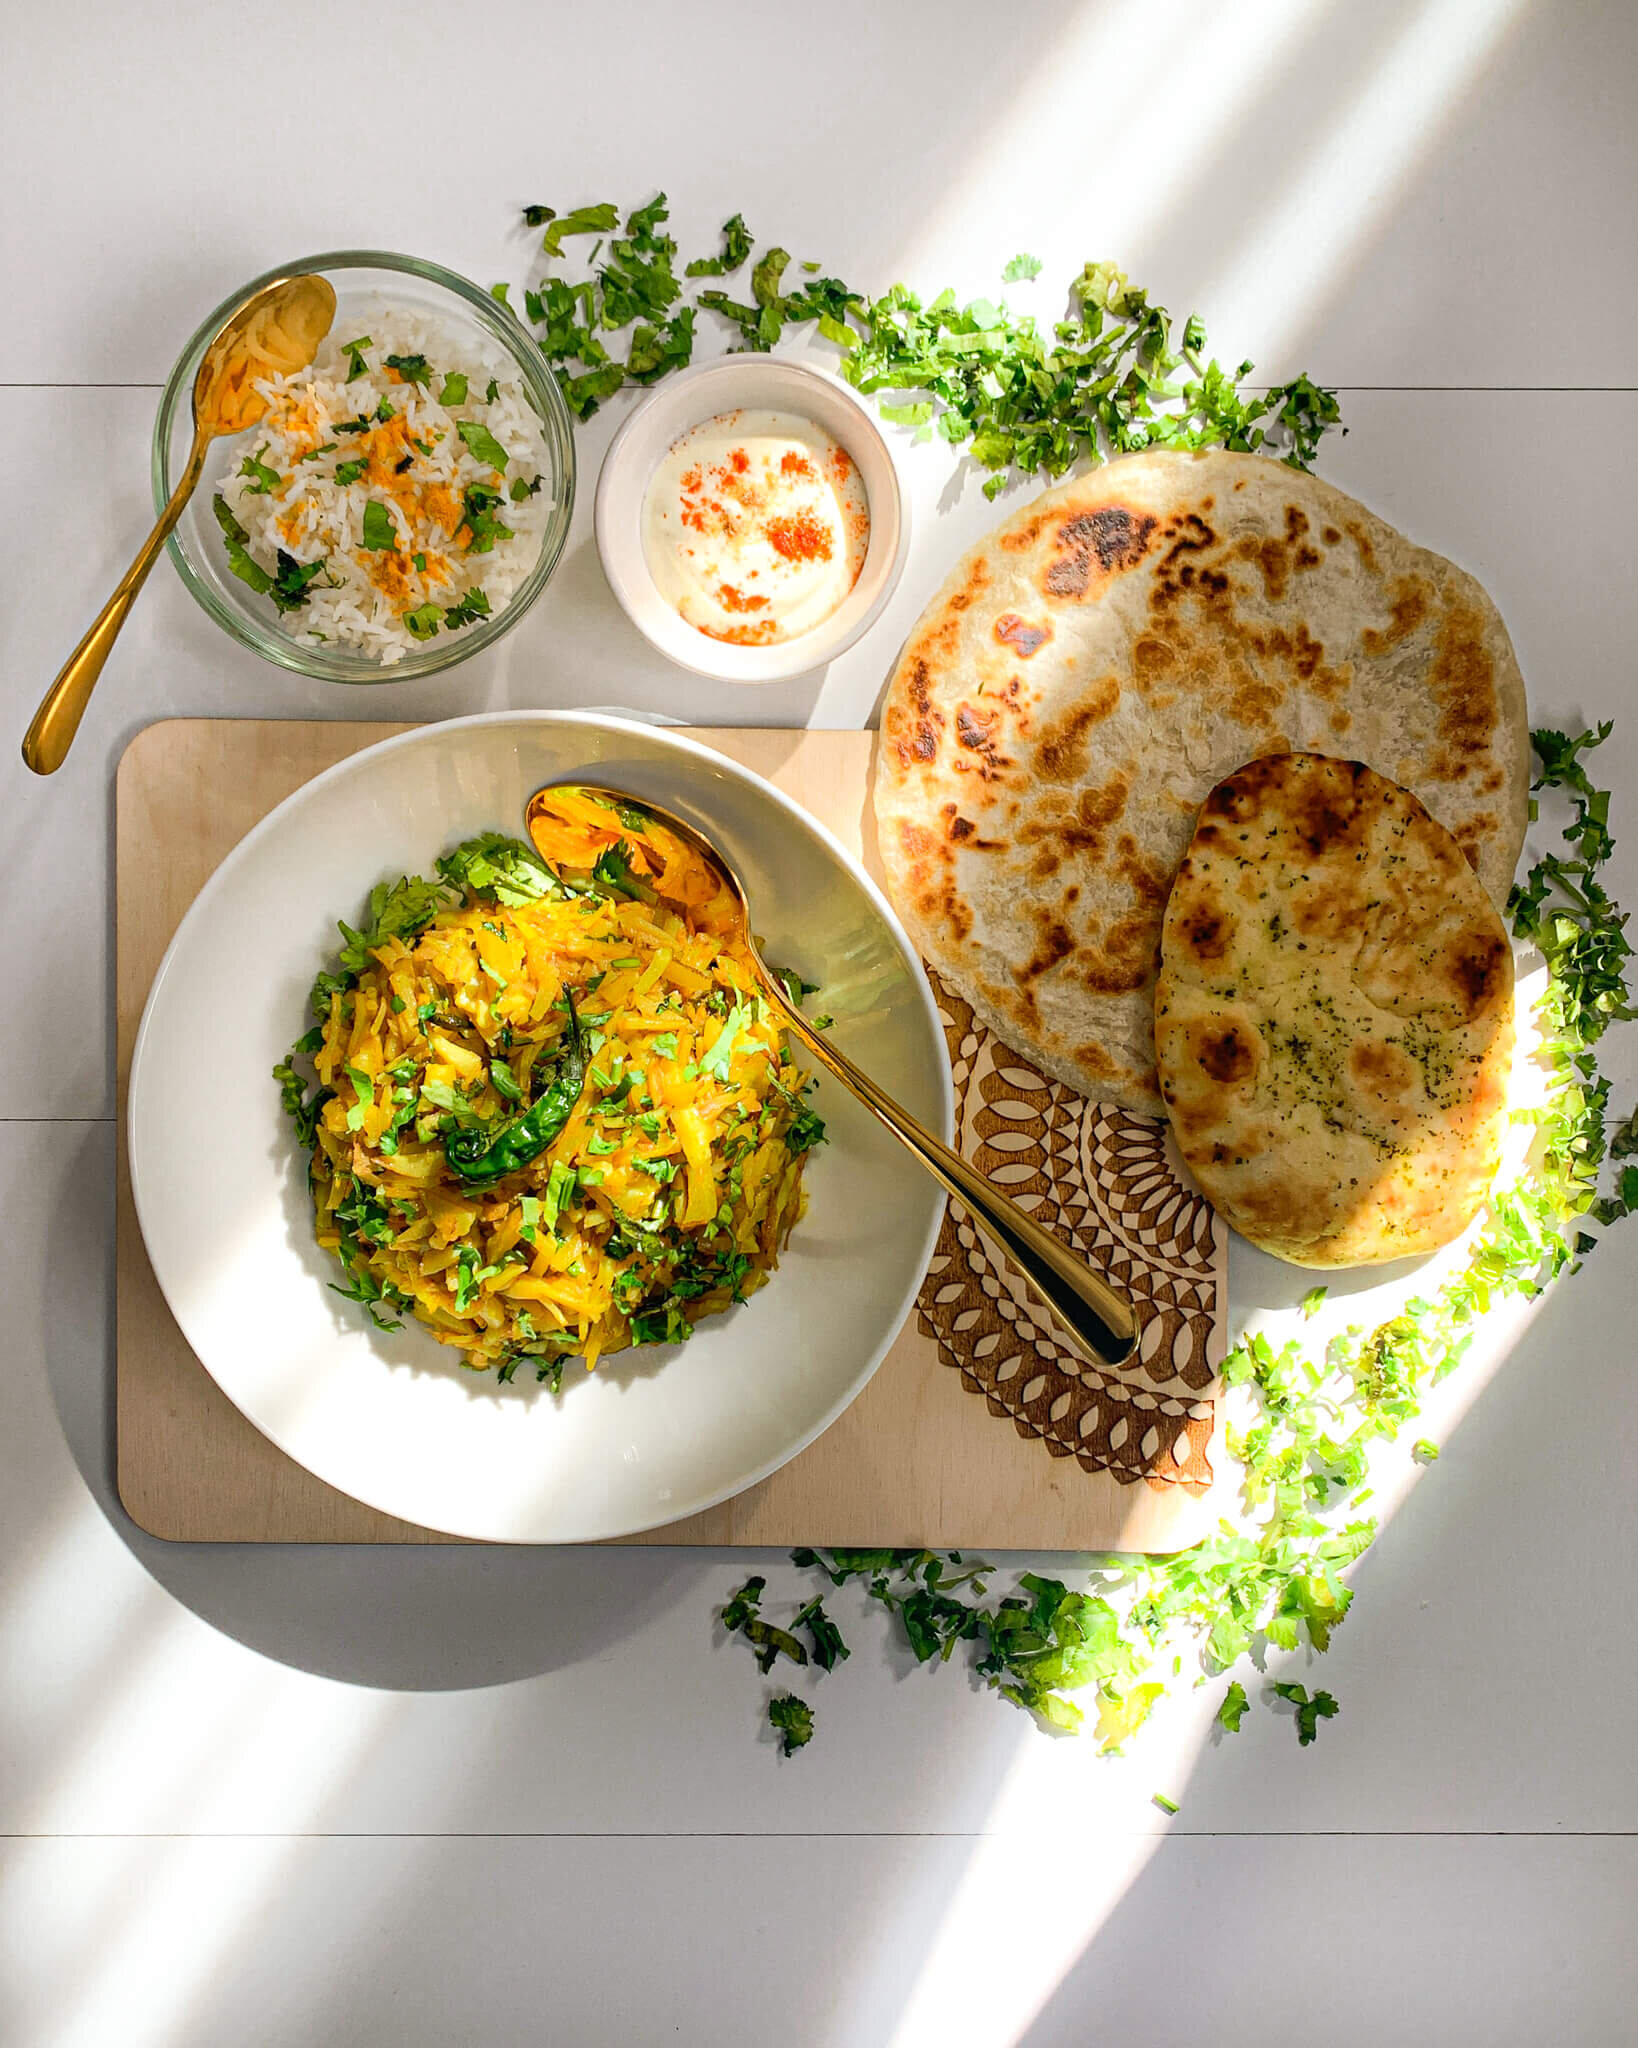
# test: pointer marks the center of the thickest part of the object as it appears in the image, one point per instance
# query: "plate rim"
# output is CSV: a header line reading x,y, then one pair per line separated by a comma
x,y
669,739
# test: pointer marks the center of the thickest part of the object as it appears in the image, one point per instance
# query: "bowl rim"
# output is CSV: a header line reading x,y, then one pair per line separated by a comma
x,y
669,739
620,491
504,326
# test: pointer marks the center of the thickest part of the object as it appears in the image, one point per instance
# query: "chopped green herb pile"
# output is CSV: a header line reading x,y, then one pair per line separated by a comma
x,y
1109,377
1315,1420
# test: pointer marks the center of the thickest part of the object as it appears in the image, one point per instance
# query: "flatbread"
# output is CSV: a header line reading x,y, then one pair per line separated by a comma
x,y
1334,1015
1106,656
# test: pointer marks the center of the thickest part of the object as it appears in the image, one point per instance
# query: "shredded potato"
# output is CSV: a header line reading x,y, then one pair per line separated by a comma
x,y
593,996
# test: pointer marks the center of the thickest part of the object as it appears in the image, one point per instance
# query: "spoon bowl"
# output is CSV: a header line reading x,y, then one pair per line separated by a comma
x,y
1095,1318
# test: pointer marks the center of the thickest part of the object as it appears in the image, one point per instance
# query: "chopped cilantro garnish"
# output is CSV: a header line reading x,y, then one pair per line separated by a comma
x,y
289,587
1312,1300
793,1718
1234,1704
240,561
380,533
733,1034
356,365
492,393
364,1091
1021,268
423,621
470,605
482,444
454,391
412,369
560,1185
1310,1711
325,448
1106,380
478,503
521,490
262,479
741,1617
584,220
736,246
350,472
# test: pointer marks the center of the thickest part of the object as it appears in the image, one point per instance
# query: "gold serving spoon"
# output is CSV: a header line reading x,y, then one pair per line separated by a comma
x,y
1097,1320
275,332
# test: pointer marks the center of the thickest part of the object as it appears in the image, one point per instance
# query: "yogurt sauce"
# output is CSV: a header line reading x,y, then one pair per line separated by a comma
x,y
755,527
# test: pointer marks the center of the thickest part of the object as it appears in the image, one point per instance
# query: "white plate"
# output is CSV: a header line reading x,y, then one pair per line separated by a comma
x,y
394,1419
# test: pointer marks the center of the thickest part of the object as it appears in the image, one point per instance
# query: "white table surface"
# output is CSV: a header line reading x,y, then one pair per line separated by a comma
x,y
360,1797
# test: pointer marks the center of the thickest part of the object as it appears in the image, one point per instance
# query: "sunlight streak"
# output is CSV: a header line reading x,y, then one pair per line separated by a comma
x,y
1327,208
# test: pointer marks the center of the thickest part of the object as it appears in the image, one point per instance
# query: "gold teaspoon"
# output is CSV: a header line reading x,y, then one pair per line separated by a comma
x,y
1097,1319
274,333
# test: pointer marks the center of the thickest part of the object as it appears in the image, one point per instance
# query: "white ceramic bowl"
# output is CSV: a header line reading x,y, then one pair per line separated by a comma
x,y
752,383
395,1420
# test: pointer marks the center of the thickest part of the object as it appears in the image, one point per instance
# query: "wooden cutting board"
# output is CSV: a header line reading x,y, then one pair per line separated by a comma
x,y
938,1450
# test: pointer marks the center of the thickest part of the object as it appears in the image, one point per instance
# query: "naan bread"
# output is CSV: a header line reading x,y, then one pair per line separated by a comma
x,y
1334,1015
1107,655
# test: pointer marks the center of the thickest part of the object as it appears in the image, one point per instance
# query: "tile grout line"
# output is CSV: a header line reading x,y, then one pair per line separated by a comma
x,y
809,1835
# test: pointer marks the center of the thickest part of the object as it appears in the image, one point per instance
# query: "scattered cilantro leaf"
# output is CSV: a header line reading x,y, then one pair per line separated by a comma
x,y
736,246
1021,268
354,350
1310,1710
793,1718
1232,1711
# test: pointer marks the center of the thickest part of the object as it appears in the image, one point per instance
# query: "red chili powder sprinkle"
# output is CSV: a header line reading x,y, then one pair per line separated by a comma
x,y
739,460
733,600
794,463
799,539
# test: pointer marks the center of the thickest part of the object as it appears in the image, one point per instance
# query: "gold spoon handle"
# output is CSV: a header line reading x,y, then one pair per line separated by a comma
x,y
1097,1318
52,729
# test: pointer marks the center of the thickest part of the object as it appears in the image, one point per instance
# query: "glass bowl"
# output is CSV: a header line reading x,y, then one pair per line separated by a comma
x,y
363,279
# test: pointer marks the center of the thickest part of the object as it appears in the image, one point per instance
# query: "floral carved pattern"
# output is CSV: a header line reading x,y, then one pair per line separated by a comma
x,y
1110,1185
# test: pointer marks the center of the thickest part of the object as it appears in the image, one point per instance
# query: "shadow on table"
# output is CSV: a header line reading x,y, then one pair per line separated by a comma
x,y
405,1616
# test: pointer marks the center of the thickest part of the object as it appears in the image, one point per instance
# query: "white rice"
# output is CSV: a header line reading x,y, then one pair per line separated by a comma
x,y
324,519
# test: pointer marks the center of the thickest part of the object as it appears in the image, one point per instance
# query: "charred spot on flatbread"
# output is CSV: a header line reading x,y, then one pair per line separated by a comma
x,y
1114,537
1024,636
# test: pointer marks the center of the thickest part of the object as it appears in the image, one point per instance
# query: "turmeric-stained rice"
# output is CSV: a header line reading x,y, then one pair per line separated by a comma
x,y
553,1115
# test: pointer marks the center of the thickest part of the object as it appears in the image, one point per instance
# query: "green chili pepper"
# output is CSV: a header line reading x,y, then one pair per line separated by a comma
x,y
486,1152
